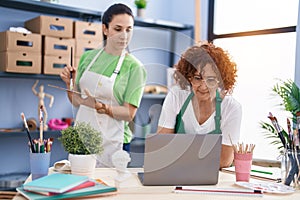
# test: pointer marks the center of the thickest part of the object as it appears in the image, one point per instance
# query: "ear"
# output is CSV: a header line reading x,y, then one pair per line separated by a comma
x,y
104,29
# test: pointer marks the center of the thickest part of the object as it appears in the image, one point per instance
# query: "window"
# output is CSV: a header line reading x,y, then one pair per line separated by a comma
x,y
261,37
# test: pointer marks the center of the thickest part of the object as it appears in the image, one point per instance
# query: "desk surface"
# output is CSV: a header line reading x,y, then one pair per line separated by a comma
x,y
136,191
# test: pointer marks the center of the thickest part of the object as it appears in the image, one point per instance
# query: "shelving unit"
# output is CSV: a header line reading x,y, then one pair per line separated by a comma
x,y
85,14
19,138
29,76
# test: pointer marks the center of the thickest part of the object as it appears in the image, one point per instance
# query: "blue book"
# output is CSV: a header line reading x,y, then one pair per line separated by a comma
x,y
56,182
94,191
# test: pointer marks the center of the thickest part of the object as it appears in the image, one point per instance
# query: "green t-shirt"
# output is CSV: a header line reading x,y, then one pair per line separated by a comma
x,y
129,83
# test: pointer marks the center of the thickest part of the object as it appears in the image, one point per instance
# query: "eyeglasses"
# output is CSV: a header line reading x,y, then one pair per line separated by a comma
x,y
210,82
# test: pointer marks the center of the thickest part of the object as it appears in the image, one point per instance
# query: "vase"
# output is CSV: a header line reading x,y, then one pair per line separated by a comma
x,y
83,164
141,12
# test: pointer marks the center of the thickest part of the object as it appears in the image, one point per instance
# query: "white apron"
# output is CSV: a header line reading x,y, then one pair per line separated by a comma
x,y
112,130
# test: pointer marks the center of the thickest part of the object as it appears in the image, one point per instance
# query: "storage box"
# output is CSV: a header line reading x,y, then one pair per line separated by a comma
x,y
51,26
21,62
14,41
87,30
55,64
77,60
83,45
58,46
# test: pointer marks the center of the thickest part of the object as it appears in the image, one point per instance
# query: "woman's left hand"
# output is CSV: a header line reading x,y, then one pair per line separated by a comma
x,y
89,101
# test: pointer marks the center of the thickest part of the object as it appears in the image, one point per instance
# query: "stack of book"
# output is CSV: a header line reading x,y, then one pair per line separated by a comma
x,y
64,186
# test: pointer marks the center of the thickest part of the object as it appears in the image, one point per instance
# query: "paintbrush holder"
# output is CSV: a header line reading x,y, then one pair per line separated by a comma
x,y
290,167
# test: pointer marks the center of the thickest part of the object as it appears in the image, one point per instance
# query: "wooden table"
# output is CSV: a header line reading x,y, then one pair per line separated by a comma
x,y
134,189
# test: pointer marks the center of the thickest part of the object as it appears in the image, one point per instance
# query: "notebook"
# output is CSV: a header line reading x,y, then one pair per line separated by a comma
x,y
97,190
57,183
181,159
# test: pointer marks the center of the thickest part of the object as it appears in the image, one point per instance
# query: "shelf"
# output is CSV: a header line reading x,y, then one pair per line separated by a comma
x,y
34,134
161,24
84,14
51,8
29,76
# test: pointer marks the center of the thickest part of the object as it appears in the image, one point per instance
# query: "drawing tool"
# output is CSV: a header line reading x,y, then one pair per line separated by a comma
x,y
290,133
262,172
41,123
278,128
28,133
71,72
298,125
226,191
73,91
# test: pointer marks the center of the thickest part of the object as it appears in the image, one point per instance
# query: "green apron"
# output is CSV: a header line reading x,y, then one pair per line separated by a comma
x,y
179,126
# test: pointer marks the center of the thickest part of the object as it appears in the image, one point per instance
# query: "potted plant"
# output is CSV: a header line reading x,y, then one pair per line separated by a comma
x,y
141,6
290,95
83,143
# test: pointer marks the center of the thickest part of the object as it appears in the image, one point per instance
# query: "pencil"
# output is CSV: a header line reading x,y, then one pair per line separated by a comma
x,y
262,172
232,191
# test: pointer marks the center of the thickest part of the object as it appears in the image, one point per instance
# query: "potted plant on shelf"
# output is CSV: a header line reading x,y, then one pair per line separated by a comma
x,y
141,6
83,143
290,95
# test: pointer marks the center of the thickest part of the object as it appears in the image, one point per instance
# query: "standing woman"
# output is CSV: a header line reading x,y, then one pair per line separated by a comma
x,y
113,81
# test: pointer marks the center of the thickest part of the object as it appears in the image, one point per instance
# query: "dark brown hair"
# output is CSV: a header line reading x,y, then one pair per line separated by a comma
x,y
115,9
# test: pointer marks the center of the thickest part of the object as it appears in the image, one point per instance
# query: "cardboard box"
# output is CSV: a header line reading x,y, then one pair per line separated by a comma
x,y
87,30
83,45
77,60
14,41
51,26
21,62
58,46
55,64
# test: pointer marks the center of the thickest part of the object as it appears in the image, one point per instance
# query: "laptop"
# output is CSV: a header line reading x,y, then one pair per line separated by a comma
x,y
181,159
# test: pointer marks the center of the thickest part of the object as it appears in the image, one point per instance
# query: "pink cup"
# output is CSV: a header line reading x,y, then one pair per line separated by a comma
x,y
242,163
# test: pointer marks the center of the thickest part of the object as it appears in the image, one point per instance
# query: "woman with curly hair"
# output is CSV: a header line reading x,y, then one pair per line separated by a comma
x,y
201,73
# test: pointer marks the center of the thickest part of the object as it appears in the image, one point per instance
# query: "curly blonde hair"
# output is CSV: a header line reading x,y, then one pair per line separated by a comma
x,y
197,57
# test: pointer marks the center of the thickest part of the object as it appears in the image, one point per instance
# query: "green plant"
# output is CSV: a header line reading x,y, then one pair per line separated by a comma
x,y
290,95
81,139
140,3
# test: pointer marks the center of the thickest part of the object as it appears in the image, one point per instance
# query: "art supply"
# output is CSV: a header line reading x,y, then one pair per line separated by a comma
x,y
262,172
290,167
39,164
28,133
242,160
71,72
277,128
242,164
290,133
41,123
221,191
68,90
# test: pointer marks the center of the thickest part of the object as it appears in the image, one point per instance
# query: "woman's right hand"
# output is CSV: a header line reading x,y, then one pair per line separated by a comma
x,y
65,75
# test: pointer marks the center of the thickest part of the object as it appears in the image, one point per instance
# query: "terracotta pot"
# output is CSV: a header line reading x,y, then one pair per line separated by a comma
x,y
83,164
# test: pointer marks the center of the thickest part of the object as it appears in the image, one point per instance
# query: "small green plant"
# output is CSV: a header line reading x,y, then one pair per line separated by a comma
x,y
140,4
290,95
81,139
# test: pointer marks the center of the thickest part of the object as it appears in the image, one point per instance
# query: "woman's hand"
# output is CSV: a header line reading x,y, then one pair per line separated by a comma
x,y
65,75
89,101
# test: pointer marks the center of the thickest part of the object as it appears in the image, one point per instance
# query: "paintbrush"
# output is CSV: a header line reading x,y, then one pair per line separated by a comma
x,y
71,72
28,133
278,128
